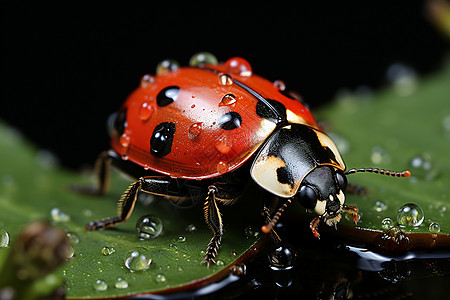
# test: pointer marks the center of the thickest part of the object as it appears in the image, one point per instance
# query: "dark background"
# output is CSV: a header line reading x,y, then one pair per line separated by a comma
x,y
65,69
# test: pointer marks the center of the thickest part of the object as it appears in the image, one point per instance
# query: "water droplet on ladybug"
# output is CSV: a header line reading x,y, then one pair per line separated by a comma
x,y
222,167
145,111
223,145
202,58
147,80
149,226
227,100
239,66
137,262
124,157
100,285
193,105
167,65
279,84
125,140
410,215
195,130
225,79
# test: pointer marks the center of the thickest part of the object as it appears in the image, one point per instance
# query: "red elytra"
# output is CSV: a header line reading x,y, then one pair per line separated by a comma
x,y
215,121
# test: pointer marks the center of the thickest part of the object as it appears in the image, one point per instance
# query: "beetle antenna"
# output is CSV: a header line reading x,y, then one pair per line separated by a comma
x,y
405,173
268,227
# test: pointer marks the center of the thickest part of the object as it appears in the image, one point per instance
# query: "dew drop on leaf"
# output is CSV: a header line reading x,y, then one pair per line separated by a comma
x,y
137,262
149,226
410,215
100,285
4,238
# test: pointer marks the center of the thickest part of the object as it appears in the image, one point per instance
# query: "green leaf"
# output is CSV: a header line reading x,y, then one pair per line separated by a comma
x,y
388,130
33,188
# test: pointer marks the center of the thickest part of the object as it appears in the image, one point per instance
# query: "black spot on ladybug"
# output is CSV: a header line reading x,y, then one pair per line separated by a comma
x,y
162,138
275,113
283,176
167,95
120,122
230,120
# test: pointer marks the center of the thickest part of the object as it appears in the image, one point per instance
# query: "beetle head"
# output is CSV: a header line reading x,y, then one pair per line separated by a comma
x,y
322,190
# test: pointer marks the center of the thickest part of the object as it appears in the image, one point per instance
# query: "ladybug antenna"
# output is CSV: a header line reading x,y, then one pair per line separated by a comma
x,y
405,173
268,227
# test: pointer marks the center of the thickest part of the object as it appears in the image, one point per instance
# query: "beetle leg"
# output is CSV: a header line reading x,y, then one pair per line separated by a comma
x,y
101,169
314,225
353,211
214,220
125,205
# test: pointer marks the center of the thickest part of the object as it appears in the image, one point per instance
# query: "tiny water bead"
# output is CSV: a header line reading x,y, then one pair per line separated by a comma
x,y
4,238
166,66
225,79
387,223
202,58
59,216
410,215
380,156
195,130
108,250
121,283
147,80
160,278
137,262
181,239
145,111
239,66
100,285
434,227
252,231
190,228
421,166
149,226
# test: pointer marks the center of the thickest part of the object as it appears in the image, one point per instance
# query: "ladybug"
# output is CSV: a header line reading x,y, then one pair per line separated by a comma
x,y
203,132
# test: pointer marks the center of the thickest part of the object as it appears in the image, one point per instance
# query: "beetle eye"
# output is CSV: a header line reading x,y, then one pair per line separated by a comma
x,y
342,180
307,197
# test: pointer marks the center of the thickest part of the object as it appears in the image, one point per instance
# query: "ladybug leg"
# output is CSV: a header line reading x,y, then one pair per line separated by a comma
x,y
214,220
126,206
101,169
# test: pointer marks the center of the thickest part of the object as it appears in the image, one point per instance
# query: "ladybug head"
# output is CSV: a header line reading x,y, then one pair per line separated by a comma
x,y
322,190
301,162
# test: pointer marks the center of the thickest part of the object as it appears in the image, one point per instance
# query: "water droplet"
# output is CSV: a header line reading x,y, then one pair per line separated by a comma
x,y
279,84
167,65
195,130
124,157
137,262
252,231
160,278
225,79
121,283
282,258
180,269
181,239
227,100
219,263
239,66
125,140
100,285
193,106
403,78
410,215
434,227
421,166
73,238
380,206
149,226
147,80
222,167
4,238
108,250
202,58
190,228
387,223
380,155
145,111
58,216
223,145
